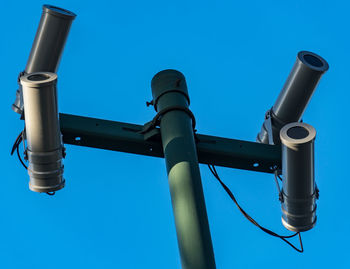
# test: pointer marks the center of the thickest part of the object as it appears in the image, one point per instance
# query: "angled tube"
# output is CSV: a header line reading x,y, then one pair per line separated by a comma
x,y
48,45
44,146
50,39
294,97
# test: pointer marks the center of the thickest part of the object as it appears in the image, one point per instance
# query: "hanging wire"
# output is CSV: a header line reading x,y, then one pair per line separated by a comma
x,y
245,214
15,147
280,196
19,137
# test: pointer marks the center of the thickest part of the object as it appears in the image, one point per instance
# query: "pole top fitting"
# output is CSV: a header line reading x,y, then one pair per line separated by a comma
x,y
168,80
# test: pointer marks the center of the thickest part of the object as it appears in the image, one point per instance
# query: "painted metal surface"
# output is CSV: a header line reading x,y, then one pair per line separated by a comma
x,y
169,91
126,137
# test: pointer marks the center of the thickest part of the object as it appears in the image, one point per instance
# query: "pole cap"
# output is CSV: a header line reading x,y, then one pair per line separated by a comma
x,y
168,80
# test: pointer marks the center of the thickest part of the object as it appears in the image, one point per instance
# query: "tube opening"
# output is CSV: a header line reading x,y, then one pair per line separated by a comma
x,y
313,60
38,77
60,10
298,132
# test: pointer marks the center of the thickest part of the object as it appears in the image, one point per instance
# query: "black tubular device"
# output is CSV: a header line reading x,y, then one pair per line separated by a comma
x,y
294,97
44,145
48,45
284,146
299,192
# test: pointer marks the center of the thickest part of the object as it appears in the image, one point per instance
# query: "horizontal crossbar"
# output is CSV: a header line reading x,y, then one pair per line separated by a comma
x,y
126,137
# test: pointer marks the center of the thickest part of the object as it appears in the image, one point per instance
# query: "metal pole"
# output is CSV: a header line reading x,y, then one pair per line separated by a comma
x,y
170,92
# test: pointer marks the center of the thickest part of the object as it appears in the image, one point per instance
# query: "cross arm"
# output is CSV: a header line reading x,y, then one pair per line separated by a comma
x,y
126,137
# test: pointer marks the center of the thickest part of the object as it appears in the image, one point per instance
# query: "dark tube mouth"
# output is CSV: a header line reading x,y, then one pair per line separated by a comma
x,y
298,132
38,80
313,61
60,12
38,77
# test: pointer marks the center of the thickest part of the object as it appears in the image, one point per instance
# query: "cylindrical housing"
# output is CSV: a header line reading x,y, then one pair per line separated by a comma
x,y
295,95
299,189
50,39
44,145
170,94
48,45
299,87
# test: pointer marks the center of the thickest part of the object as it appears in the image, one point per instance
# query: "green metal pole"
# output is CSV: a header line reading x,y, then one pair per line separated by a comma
x,y
170,92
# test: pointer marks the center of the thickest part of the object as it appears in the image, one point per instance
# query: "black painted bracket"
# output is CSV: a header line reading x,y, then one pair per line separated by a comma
x,y
126,137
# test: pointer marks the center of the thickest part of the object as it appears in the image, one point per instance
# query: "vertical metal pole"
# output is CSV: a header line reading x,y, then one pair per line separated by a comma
x,y
170,91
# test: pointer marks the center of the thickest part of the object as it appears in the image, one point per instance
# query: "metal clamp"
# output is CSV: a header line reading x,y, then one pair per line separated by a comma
x,y
156,120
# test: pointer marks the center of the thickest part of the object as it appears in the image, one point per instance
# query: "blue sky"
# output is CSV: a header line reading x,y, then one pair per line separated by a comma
x,y
115,211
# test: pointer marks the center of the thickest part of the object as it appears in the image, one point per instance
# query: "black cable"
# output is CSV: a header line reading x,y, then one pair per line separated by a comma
x,y
215,173
20,159
15,147
279,177
282,237
280,196
17,141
